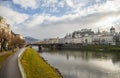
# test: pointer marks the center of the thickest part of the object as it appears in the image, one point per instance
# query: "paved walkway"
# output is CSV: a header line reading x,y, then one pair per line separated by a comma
x,y
10,67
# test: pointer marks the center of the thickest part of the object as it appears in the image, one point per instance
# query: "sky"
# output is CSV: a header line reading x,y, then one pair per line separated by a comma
x,y
43,19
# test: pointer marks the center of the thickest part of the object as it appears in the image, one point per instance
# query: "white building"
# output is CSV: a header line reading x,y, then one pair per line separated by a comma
x,y
87,39
61,40
50,41
78,40
87,36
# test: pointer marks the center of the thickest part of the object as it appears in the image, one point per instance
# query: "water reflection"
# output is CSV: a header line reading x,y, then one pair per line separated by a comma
x,y
77,64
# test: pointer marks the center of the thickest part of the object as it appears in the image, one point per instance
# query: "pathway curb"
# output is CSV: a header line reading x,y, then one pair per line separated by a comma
x,y
20,65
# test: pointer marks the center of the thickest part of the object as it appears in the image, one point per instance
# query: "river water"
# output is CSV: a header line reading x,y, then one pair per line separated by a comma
x,y
79,64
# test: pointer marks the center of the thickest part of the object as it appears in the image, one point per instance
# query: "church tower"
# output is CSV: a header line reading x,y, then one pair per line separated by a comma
x,y
112,29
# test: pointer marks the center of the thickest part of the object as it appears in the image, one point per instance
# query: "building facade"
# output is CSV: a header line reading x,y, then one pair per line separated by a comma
x,y
6,33
4,26
88,37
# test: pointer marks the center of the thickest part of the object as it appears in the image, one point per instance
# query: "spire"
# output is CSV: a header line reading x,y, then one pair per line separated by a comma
x,y
98,31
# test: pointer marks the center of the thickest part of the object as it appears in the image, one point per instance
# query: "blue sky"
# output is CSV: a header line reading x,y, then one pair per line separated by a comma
x,y
54,18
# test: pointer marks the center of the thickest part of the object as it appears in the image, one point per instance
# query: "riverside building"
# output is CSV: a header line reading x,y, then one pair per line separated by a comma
x,y
4,26
5,29
89,37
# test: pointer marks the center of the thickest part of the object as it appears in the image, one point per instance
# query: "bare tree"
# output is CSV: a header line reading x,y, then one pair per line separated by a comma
x,y
4,40
16,41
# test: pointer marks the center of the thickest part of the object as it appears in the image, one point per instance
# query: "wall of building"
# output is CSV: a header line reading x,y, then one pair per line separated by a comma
x,y
78,40
87,36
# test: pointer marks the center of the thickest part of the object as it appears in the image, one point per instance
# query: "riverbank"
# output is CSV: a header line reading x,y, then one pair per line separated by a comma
x,y
4,56
104,48
36,67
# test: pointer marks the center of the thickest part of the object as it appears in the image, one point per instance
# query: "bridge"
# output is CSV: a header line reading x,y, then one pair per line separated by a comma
x,y
57,46
50,46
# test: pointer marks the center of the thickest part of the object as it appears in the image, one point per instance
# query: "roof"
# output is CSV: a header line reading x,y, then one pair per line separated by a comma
x,y
112,28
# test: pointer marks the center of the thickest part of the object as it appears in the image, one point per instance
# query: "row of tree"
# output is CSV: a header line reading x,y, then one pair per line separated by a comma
x,y
9,41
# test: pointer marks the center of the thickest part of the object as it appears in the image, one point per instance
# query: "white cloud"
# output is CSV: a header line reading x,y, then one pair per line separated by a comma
x,y
33,4
76,4
35,20
99,15
110,5
92,17
70,3
51,26
12,16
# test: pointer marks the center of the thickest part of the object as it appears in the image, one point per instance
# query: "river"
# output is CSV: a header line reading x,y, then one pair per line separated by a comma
x,y
79,64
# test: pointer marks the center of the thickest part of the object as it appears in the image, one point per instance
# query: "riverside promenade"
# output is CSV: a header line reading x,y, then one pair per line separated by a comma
x,y
10,68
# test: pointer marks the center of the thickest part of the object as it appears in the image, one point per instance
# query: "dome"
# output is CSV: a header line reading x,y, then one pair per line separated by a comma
x,y
112,28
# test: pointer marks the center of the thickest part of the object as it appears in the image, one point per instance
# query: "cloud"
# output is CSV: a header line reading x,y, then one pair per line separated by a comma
x,y
91,17
48,26
13,17
75,4
70,3
110,5
33,4
80,15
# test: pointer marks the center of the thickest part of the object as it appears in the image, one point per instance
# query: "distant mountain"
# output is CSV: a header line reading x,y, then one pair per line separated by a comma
x,y
29,39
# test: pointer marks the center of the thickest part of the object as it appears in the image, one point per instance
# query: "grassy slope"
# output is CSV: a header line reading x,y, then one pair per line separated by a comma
x,y
35,67
4,57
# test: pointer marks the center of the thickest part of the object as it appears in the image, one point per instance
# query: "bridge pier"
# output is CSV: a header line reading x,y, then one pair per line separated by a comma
x,y
39,48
